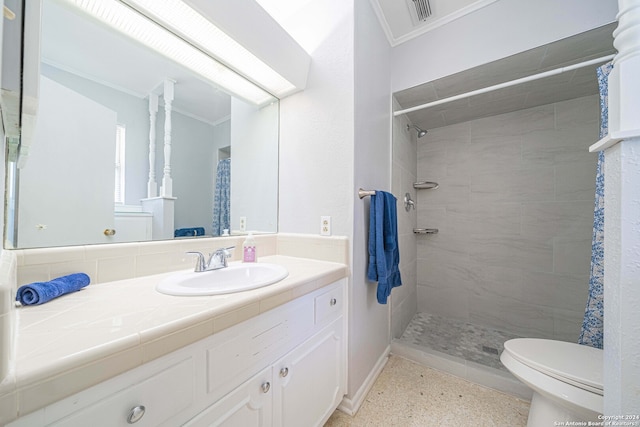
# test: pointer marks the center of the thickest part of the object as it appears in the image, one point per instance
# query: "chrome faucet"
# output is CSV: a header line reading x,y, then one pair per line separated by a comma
x,y
217,259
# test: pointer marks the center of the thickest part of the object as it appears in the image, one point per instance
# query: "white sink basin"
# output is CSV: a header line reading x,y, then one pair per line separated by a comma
x,y
235,278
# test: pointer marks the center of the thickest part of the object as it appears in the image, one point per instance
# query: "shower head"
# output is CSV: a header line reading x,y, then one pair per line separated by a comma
x,y
421,132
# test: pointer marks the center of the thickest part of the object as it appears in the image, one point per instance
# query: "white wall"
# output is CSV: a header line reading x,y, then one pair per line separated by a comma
x,y
254,172
499,30
316,126
622,275
369,321
335,136
193,168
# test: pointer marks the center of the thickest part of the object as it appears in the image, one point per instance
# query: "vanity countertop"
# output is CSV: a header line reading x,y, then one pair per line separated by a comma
x,y
81,339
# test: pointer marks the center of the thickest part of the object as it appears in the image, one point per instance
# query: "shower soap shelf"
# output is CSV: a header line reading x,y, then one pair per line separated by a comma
x,y
425,230
425,185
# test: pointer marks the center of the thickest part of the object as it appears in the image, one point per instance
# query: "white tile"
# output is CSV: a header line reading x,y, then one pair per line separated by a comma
x,y
53,255
8,407
110,269
117,250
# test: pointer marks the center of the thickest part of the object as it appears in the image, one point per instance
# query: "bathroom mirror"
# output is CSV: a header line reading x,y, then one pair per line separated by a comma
x,y
96,91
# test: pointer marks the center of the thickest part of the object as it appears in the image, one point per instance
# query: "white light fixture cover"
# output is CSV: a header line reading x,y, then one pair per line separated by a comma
x,y
188,23
133,24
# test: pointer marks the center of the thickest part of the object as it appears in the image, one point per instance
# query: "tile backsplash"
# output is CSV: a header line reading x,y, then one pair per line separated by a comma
x,y
119,261
106,263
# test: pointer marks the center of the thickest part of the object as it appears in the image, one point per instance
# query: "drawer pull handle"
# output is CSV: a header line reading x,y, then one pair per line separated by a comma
x,y
284,372
333,302
136,414
109,232
266,387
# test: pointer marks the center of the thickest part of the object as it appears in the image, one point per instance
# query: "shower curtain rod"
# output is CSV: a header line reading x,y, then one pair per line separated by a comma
x,y
506,84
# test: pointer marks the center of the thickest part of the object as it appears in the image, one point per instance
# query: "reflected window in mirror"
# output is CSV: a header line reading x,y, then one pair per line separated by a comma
x,y
120,165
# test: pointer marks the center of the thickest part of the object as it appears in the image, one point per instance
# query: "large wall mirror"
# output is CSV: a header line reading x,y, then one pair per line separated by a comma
x,y
86,178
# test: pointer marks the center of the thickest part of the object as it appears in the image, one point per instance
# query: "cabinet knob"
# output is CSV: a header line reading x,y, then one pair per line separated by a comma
x,y
109,232
266,387
333,302
136,414
284,372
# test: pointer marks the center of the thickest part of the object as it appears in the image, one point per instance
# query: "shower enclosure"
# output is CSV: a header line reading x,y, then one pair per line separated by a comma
x,y
514,210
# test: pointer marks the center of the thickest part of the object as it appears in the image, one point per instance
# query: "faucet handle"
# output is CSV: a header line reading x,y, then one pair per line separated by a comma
x,y
226,252
221,255
201,264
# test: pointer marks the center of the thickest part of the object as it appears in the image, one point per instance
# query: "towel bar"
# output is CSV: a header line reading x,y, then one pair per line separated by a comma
x,y
364,193
425,230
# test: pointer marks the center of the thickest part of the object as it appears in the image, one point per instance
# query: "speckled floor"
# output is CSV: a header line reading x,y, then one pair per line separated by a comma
x,y
455,338
407,395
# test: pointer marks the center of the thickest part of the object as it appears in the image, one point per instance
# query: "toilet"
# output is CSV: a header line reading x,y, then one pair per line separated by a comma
x,y
566,379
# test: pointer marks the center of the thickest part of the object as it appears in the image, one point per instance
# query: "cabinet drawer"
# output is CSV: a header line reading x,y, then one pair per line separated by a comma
x,y
163,395
328,305
243,350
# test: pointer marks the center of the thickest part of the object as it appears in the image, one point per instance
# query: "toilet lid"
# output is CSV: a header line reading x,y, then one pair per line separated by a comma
x,y
572,363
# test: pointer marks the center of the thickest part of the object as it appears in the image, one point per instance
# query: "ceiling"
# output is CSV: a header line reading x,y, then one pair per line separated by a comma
x,y
569,85
399,17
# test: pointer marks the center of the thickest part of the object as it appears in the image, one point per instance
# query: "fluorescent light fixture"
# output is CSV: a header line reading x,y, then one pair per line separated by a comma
x,y
133,24
180,17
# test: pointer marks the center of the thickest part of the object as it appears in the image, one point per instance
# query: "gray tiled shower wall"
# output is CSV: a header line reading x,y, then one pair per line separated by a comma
x,y
404,299
514,209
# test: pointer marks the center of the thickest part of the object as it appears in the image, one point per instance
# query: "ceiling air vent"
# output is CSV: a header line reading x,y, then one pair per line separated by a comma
x,y
422,9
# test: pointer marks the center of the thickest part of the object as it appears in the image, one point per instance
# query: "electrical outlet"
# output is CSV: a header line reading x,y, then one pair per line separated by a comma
x,y
243,223
325,226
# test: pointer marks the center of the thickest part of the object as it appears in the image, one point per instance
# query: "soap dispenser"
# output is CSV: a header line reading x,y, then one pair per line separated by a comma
x,y
249,253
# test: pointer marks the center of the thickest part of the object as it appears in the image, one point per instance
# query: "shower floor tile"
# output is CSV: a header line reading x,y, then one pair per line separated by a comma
x,y
456,338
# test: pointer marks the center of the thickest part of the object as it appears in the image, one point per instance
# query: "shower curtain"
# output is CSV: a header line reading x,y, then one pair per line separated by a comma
x,y
592,325
221,198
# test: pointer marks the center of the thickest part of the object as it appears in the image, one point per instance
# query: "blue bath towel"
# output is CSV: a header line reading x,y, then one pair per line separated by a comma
x,y
187,232
41,292
384,255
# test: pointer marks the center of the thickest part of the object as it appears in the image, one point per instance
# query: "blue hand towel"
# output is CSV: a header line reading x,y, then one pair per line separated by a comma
x,y
384,256
41,292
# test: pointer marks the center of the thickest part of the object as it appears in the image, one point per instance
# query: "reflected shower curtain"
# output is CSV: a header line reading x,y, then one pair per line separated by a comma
x,y
592,326
221,198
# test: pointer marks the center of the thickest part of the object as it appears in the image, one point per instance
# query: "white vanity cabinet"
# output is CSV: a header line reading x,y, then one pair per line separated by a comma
x,y
305,355
301,389
285,367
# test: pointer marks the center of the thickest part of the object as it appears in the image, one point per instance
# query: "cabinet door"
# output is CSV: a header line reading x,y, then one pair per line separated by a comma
x,y
309,381
249,405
